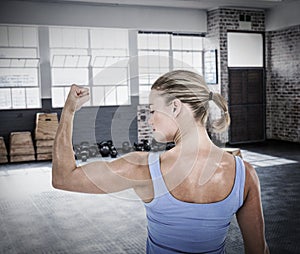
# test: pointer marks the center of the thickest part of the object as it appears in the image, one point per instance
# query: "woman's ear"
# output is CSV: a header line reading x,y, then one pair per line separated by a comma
x,y
177,105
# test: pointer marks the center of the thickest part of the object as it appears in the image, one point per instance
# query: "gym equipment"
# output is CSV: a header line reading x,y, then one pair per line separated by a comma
x,y
93,150
125,147
112,150
84,151
144,146
104,149
138,147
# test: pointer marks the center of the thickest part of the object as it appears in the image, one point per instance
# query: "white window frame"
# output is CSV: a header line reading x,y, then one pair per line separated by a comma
x,y
95,54
144,88
19,49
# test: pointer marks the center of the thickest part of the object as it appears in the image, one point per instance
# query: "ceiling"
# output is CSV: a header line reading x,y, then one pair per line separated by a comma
x,y
194,4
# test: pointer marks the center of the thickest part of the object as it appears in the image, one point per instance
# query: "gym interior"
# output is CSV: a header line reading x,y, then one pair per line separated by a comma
x,y
246,50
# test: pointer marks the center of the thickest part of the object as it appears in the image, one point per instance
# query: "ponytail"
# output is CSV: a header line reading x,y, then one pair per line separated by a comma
x,y
223,122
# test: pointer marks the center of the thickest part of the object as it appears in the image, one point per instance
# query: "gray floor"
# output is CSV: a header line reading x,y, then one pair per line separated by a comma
x,y
35,218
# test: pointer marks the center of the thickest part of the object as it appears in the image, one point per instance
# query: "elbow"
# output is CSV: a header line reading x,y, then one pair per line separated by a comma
x,y
57,179
55,183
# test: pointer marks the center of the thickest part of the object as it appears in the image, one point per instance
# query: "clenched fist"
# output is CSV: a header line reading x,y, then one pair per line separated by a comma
x,y
77,97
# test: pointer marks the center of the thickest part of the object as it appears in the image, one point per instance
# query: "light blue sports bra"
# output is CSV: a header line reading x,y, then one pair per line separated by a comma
x,y
176,226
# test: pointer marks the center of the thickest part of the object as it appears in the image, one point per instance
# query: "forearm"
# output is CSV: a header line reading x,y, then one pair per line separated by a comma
x,y
63,161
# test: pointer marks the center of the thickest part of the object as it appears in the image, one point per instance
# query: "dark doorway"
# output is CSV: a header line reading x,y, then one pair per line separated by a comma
x,y
246,105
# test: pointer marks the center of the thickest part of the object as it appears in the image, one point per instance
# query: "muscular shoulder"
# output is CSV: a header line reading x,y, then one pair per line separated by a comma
x,y
133,165
252,185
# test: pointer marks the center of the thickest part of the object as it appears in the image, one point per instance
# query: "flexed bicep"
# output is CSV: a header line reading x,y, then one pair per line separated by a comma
x,y
107,177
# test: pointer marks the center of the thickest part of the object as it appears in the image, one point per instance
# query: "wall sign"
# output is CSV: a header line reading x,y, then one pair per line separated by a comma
x,y
210,66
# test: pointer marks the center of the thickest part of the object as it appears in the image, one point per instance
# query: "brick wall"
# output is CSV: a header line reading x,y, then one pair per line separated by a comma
x,y
219,22
283,84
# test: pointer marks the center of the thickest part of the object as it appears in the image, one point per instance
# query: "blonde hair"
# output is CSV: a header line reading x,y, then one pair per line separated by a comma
x,y
190,88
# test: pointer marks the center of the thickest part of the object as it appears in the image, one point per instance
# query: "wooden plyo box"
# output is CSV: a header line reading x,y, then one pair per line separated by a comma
x,y
21,147
3,151
44,156
45,131
46,126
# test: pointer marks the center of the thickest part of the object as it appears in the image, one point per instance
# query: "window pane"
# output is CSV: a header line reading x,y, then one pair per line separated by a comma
x,y
176,42
122,95
68,38
30,37
18,77
197,59
18,53
68,76
58,98
164,59
58,61
5,98
98,96
84,61
187,58
187,42
15,36
245,50
144,94
71,61
81,38
109,38
153,60
18,97
55,37
144,76
198,43
143,58
110,76
153,41
164,41
142,41
32,98
64,52
3,36
110,95
32,63
17,63
177,59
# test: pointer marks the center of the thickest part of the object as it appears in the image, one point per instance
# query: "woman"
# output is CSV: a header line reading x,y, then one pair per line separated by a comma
x,y
192,191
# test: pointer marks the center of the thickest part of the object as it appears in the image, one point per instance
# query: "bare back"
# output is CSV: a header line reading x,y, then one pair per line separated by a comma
x,y
180,174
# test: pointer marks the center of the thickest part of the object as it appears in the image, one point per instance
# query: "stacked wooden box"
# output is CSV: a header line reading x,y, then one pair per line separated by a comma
x,y
45,131
21,147
3,151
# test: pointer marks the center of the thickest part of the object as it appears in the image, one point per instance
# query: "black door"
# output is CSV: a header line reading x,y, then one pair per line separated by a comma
x,y
246,105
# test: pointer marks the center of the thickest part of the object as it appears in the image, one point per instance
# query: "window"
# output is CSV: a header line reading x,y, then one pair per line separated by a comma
x,y
69,61
154,60
163,52
95,58
19,68
245,49
110,66
187,52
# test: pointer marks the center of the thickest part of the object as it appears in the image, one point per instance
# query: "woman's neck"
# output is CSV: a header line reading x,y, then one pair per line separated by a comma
x,y
194,137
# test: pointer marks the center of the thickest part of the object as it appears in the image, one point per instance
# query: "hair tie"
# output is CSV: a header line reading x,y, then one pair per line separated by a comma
x,y
210,96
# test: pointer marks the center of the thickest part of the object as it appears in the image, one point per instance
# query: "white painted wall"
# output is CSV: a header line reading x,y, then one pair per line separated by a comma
x,y
283,16
133,17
